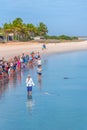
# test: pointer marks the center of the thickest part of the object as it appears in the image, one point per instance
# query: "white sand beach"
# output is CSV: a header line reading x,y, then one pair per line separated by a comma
x,y
9,50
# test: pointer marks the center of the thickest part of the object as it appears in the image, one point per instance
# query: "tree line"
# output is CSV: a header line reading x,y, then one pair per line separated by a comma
x,y
24,32
61,37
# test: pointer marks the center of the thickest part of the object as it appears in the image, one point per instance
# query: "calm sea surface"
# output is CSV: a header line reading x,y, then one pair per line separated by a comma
x,y
59,99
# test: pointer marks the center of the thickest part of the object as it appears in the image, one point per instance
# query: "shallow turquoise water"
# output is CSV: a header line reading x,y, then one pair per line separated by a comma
x,y
59,100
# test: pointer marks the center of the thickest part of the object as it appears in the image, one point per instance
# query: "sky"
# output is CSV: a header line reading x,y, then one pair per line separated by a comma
x,y
68,17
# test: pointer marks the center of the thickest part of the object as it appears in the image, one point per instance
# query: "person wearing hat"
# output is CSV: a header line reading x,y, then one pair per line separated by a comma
x,y
29,84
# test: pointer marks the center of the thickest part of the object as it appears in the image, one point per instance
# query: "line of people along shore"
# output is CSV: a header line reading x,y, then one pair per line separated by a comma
x,y
18,63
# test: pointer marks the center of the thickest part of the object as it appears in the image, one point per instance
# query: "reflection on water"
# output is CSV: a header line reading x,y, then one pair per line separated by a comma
x,y
40,82
30,103
63,99
3,88
16,78
13,80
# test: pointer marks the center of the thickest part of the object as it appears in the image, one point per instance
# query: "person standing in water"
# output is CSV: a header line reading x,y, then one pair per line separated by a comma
x,y
29,84
39,62
39,72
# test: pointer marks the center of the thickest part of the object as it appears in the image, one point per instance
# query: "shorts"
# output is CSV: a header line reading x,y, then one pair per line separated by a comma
x,y
39,66
39,73
29,88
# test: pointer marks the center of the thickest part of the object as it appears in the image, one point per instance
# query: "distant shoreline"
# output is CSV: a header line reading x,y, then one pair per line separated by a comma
x,y
9,50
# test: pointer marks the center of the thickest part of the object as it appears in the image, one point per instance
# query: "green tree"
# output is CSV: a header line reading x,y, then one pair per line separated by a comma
x,y
42,29
32,30
7,28
17,27
21,30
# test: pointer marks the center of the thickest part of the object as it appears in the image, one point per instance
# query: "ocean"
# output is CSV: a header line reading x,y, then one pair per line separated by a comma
x,y
58,100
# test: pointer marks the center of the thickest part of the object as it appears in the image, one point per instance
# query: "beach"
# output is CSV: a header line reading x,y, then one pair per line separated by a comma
x,y
9,50
61,90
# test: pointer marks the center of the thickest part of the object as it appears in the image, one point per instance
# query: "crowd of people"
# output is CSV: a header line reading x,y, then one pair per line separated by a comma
x,y
16,64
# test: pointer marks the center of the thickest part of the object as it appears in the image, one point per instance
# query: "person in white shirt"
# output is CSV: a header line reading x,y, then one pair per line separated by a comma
x,y
29,84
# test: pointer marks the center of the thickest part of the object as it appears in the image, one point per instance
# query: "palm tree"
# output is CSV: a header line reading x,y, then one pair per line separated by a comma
x,y
42,29
32,30
8,28
1,30
17,26
22,31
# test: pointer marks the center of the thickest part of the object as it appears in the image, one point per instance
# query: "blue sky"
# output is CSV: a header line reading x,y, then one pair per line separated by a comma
x,y
67,17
